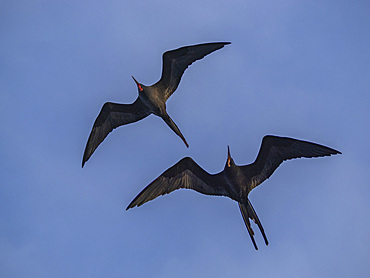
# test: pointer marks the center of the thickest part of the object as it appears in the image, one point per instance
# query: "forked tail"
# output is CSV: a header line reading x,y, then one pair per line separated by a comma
x,y
248,212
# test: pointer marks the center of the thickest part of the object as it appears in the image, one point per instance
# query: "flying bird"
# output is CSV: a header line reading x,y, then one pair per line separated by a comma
x,y
151,99
235,182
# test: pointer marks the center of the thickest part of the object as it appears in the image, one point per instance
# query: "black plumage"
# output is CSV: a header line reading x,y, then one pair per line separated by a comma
x,y
235,182
151,99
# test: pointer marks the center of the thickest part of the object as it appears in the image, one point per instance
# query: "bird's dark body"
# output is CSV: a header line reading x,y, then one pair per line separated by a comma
x,y
235,182
152,99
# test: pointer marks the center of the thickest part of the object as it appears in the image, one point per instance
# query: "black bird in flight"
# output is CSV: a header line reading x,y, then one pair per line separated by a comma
x,y
151,99
235,182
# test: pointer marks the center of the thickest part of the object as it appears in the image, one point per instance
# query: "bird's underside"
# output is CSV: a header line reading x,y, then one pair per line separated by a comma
x,y
151,98
234,181
188,174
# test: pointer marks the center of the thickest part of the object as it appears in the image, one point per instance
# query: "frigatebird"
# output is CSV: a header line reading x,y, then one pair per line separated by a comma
x,y
151,99
235,182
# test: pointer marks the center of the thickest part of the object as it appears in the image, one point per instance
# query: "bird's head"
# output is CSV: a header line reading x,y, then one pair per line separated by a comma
x,y
140,87
229,162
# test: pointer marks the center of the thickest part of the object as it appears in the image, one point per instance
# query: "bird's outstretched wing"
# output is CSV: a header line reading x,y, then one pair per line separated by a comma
x,y
113,115
274,150
176,61
184,174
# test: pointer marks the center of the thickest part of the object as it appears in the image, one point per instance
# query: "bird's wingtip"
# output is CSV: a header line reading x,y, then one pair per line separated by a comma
x,y
225,43
334,152
130,206
85,158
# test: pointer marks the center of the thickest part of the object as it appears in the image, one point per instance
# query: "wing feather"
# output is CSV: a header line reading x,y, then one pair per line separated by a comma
x,y
184,174
175,62
111,116
274,150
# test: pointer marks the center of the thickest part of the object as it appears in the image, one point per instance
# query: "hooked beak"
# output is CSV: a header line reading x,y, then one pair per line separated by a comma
x,y
228,156
138,84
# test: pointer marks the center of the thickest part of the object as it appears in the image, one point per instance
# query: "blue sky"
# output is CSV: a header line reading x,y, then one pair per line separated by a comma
x,y
294,68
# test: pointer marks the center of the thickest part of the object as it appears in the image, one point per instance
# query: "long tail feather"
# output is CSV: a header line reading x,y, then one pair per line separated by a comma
x,y
249,212
174,127
244,212
254,217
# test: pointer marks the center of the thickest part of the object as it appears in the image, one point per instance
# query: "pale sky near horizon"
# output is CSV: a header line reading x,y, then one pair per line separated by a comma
x,y
295,68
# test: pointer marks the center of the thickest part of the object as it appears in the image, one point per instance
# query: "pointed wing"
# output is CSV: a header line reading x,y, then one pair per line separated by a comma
x,y
184,174
175,62
274,150
113,115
